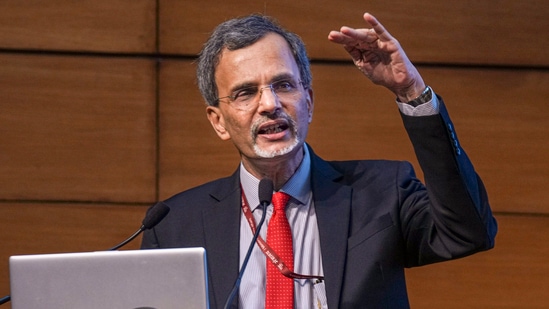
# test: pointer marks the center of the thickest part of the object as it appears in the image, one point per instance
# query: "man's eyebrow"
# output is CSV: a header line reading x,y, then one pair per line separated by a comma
x,y
243,86
276,78
281,76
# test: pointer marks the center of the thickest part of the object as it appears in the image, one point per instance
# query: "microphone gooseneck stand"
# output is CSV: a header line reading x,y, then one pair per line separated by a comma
x,y
154,215
265,195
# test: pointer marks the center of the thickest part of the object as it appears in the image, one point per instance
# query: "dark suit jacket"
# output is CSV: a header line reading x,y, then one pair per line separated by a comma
x,y
375,218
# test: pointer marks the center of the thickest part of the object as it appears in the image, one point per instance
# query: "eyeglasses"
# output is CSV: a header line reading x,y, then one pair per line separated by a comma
x,y
246,98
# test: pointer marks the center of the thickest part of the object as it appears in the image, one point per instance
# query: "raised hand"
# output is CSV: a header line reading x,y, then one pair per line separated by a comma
x,y
379,56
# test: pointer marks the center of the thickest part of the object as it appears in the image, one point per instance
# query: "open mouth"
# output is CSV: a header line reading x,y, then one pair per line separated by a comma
x,y
273,128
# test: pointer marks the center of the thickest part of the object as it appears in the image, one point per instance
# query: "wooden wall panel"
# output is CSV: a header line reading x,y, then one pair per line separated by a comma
x,y
100,25
499,116
77,128
480,32
512,275
501,119
354,119
190,151
56,228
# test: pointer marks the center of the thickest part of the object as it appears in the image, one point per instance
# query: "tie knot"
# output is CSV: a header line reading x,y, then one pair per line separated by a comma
x,y
280,199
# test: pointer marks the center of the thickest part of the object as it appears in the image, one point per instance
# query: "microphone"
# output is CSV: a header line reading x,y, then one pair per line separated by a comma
x,y
154,215
5,299
265,193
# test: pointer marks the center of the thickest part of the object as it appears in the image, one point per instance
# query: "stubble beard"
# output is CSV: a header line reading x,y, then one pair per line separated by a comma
x,y
268,154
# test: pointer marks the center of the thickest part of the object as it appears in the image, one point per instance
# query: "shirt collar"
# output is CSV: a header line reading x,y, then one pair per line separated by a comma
x,y
298,186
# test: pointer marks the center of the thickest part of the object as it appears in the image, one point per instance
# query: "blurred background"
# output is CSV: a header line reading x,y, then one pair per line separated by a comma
x,y
100,117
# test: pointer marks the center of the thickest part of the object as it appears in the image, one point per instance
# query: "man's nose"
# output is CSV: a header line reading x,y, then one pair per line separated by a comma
x,y
268,100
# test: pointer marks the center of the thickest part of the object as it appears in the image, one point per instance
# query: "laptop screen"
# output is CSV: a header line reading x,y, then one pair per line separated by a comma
x,y
144,279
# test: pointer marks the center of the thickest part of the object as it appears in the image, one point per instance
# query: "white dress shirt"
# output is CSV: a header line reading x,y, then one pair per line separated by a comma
x,y
306,242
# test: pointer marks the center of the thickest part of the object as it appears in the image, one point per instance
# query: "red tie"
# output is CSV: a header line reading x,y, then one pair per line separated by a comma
x,y
280,289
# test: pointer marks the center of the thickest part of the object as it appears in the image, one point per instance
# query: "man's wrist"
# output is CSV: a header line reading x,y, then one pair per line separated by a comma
x,y
424,97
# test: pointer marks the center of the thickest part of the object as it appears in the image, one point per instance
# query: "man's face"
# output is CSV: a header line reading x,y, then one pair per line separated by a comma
x,y
272,125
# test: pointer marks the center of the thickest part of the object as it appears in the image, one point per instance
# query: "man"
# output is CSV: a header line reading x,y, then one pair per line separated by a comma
x,y
356,224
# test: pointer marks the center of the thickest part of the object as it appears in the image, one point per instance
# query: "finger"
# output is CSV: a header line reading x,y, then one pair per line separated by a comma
x,y
379,29
340,38
337,37
360,35
354,37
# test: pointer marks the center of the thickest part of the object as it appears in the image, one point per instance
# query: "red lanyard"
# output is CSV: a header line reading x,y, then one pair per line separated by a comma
x,y
269,253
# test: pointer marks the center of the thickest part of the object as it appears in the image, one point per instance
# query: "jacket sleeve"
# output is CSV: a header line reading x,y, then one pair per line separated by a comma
x,y
452,218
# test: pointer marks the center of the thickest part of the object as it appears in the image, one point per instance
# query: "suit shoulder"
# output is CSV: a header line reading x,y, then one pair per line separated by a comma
x,y
371,166
204,193
371,173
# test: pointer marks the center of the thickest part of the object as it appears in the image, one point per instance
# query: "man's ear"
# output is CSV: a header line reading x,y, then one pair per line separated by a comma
x,y
310,104
218,122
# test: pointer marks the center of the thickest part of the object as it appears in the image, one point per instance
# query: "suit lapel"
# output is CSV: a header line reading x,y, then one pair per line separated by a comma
x,y
221,232
332,205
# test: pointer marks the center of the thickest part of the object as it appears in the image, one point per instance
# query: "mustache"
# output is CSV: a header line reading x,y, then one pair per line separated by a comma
x,y
280,115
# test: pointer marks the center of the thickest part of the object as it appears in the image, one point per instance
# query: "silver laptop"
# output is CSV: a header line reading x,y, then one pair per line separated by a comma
x,y
144,279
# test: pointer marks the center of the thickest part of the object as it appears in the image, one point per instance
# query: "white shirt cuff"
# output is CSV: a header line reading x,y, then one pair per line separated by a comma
x,y
425,109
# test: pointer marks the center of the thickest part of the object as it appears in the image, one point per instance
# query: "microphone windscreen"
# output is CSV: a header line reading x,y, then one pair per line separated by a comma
x,y
265,191
154,215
